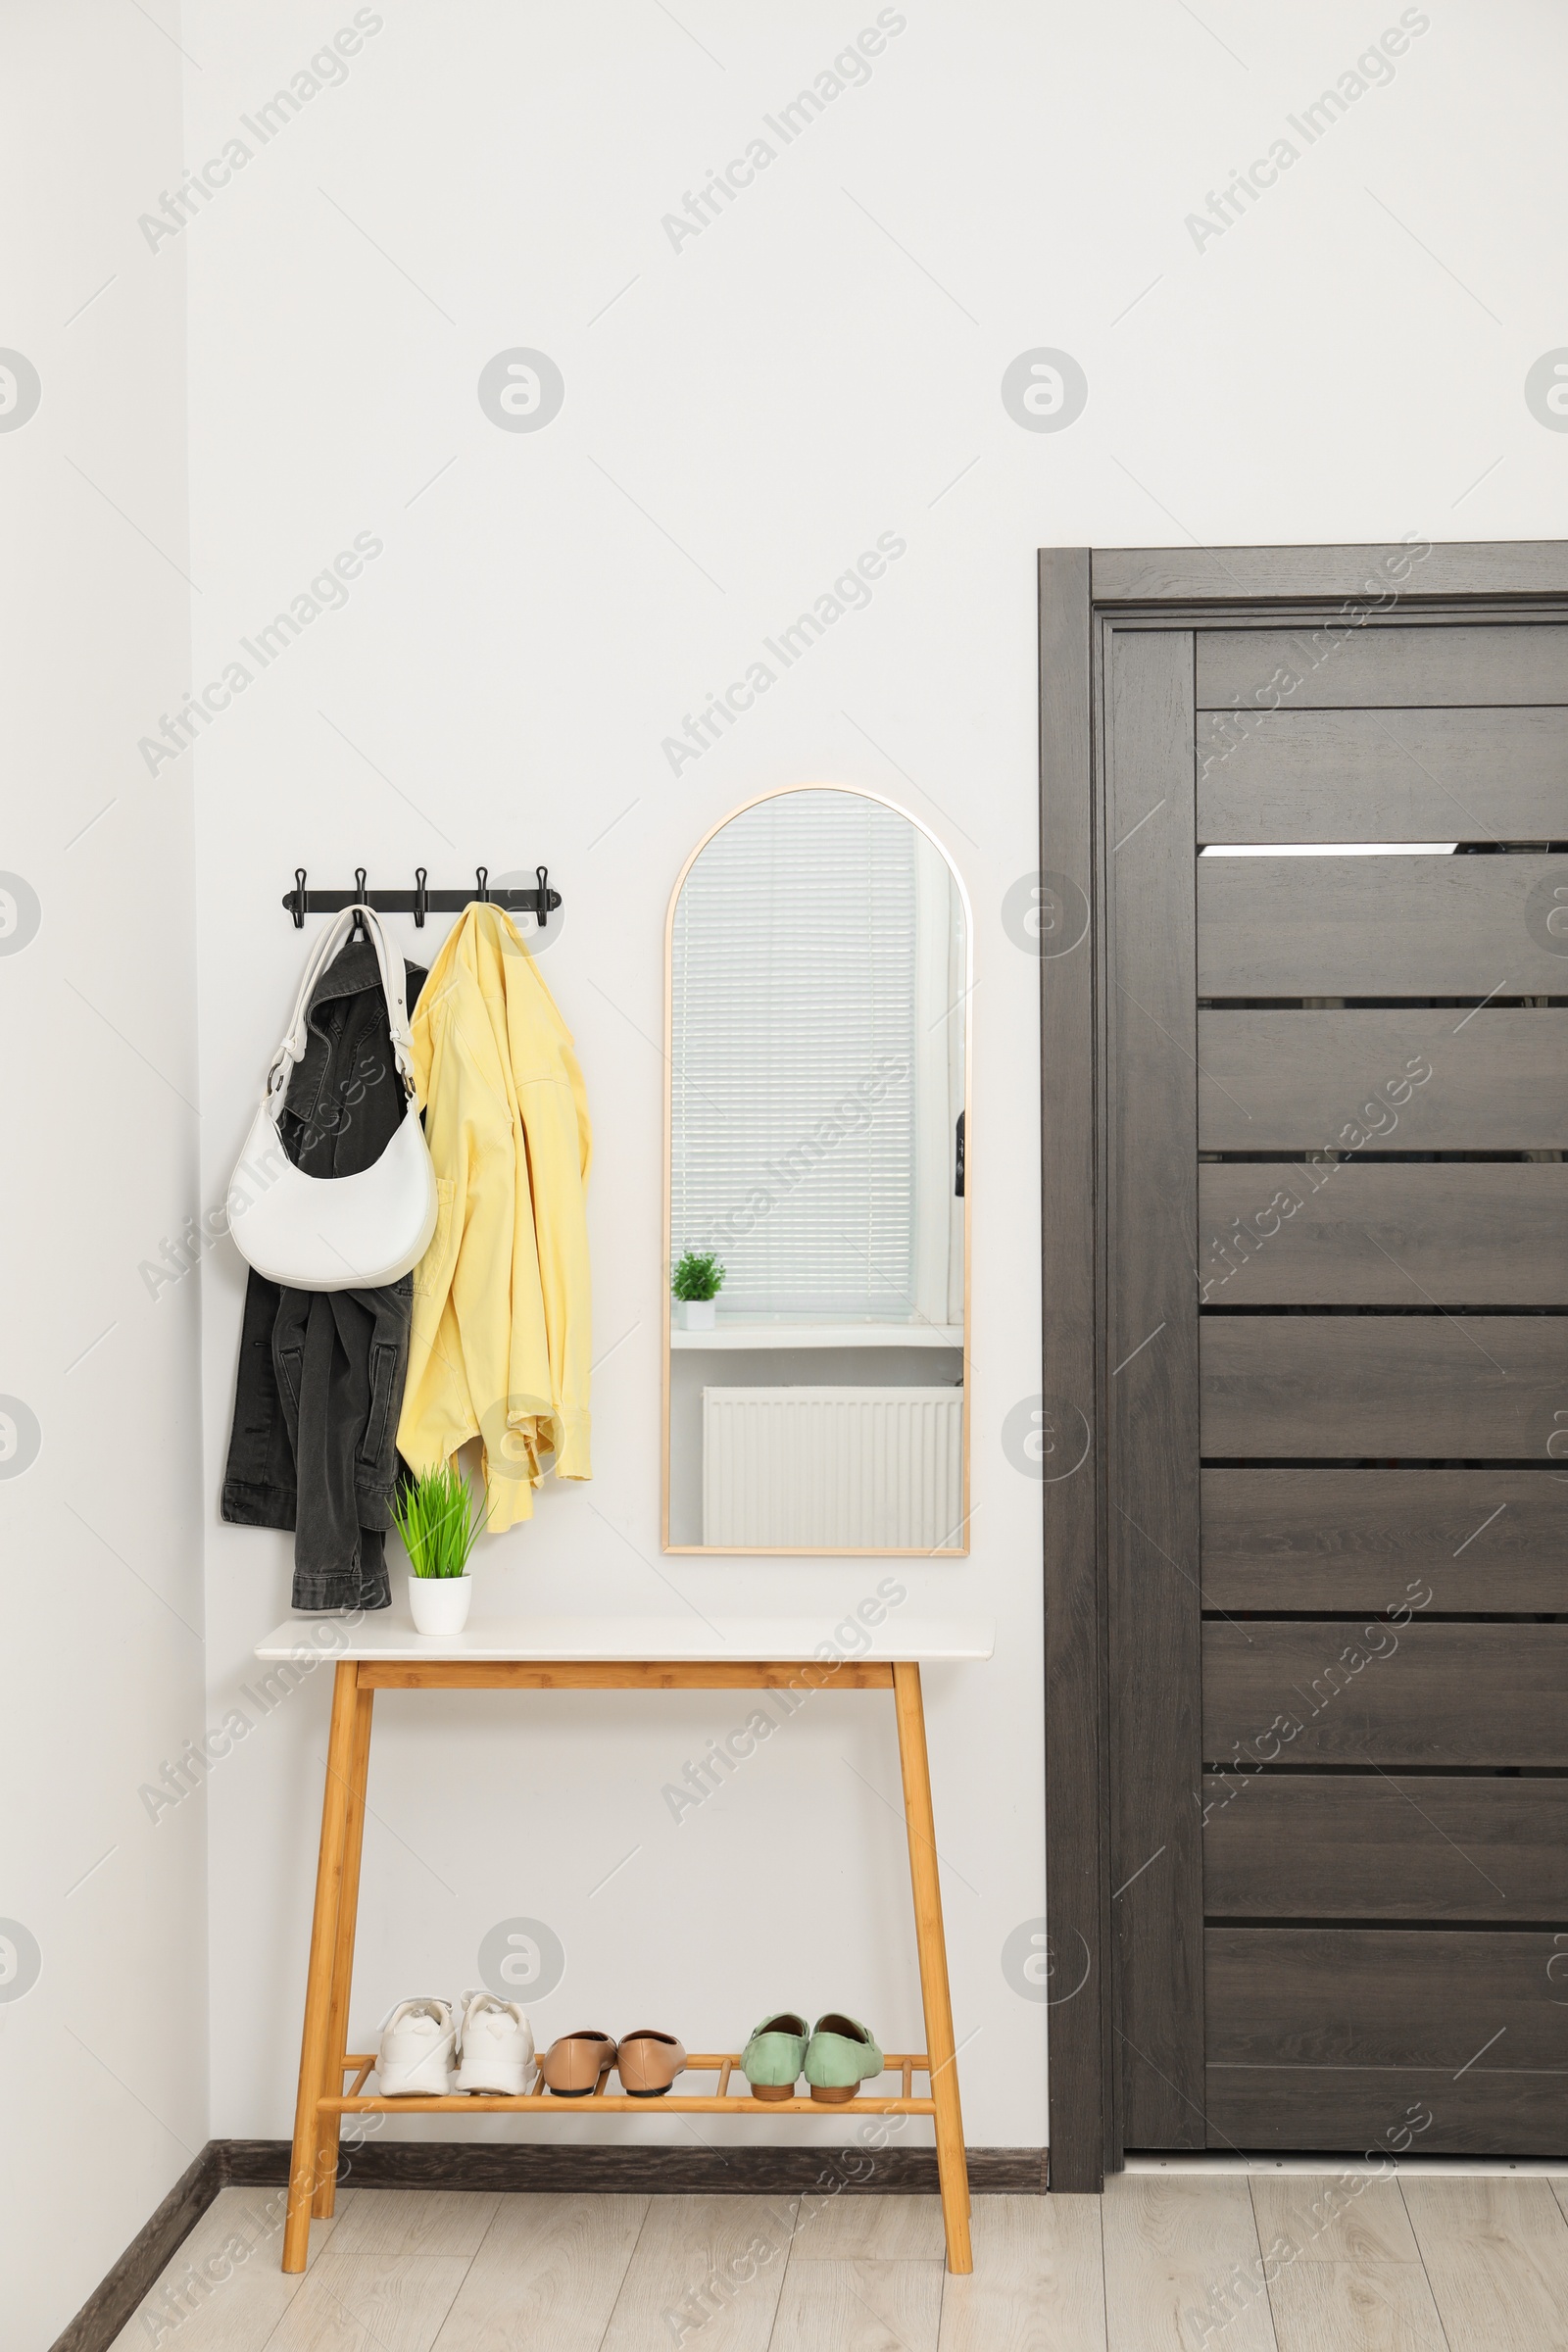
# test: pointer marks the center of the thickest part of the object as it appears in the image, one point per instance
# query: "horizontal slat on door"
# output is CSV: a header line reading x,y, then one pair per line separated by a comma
x,y
1478,1388
1383,1235
1384,775
1406,663
1415,1079
1383,1996
1369,1846
1387,2111
1396,926
1355,576
1480,1541
1316,1692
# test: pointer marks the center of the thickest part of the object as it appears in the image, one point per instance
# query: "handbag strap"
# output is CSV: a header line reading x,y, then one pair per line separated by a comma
x,y
291,1052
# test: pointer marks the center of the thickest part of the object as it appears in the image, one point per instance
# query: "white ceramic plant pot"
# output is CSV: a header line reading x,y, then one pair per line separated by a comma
x,y
440,1603
696,1314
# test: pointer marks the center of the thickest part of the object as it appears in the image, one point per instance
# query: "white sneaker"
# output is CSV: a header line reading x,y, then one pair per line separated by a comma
x,y
497,2047
414,2060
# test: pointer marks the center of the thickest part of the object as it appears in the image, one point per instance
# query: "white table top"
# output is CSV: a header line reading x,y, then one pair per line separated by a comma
x,y
388,1635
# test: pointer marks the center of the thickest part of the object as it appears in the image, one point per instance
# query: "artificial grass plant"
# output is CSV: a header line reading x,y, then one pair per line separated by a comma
x,y
439,1516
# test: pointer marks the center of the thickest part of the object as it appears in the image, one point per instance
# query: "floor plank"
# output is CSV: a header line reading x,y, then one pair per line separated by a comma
x,y
1182,2260
370,2303
1038,2282
1497,2254
1333,2217
708,2264
224,2291
546,2277
846,2306
848,2228
1356,2307
418,2220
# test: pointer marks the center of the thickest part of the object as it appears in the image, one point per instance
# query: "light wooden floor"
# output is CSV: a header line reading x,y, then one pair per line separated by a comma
x,y
1165,2263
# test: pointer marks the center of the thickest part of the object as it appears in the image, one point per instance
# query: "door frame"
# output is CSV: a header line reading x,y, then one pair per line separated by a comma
x,y
1084,594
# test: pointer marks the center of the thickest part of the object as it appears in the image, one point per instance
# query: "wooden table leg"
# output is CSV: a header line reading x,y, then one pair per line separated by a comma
x,y
952,2169
348,1905
319,1982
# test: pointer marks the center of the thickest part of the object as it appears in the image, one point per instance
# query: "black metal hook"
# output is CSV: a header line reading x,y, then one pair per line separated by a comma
x,y
358,930
421,902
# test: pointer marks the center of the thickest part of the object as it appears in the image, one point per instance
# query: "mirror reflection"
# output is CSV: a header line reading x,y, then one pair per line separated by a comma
x,y
818,997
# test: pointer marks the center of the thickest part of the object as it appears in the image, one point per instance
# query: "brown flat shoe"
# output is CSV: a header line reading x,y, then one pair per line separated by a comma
x,y
578,2064
648,2062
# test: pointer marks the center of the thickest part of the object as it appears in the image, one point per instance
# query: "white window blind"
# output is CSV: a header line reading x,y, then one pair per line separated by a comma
x,y
793,1058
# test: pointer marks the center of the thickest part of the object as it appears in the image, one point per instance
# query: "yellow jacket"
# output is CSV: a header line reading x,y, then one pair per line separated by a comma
x,y
500,1344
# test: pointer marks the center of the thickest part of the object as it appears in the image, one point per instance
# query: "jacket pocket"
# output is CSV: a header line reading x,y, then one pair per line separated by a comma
x,y
433,1273
384,1381
290,1362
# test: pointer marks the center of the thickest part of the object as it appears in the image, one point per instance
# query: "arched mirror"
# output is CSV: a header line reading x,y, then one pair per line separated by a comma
x,y
818,978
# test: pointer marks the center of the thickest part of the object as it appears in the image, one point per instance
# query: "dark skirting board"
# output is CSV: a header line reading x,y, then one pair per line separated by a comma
x,y
154,2244
535,2167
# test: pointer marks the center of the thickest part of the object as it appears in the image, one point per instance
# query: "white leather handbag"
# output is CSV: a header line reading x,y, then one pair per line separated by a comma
x,y
335,1232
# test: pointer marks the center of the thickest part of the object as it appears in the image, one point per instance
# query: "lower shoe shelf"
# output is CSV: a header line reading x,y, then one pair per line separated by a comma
x,y
356,2101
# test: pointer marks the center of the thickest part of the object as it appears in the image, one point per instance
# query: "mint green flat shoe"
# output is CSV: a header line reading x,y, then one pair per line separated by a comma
x,y
841,2055
772,2059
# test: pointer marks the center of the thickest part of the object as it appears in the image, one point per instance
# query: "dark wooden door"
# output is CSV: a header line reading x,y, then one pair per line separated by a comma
x,y
1334,1378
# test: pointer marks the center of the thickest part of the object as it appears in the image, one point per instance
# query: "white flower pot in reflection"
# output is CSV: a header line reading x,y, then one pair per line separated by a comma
x,y
696,1314
440,1603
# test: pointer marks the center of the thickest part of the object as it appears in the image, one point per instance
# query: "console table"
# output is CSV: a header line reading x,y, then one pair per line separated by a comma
x,y
584,1653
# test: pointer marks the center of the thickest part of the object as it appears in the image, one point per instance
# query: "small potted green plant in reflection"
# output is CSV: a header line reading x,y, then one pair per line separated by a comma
x,y
439,1516
697,1281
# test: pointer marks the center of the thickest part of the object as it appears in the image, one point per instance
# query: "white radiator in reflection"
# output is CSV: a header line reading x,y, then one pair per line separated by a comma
x,y
833,1469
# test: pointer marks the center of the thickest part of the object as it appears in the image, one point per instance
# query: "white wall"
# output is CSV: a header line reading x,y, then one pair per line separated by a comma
x,y
496,690
742,417
103,2057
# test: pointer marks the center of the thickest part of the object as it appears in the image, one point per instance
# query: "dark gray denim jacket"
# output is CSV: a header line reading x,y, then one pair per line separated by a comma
x,y
320,1372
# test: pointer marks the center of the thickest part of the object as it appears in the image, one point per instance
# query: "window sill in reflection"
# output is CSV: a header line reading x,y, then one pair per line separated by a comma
x,y
821,1335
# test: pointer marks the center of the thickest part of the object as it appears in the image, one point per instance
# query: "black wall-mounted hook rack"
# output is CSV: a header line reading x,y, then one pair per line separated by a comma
x,y
421,901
